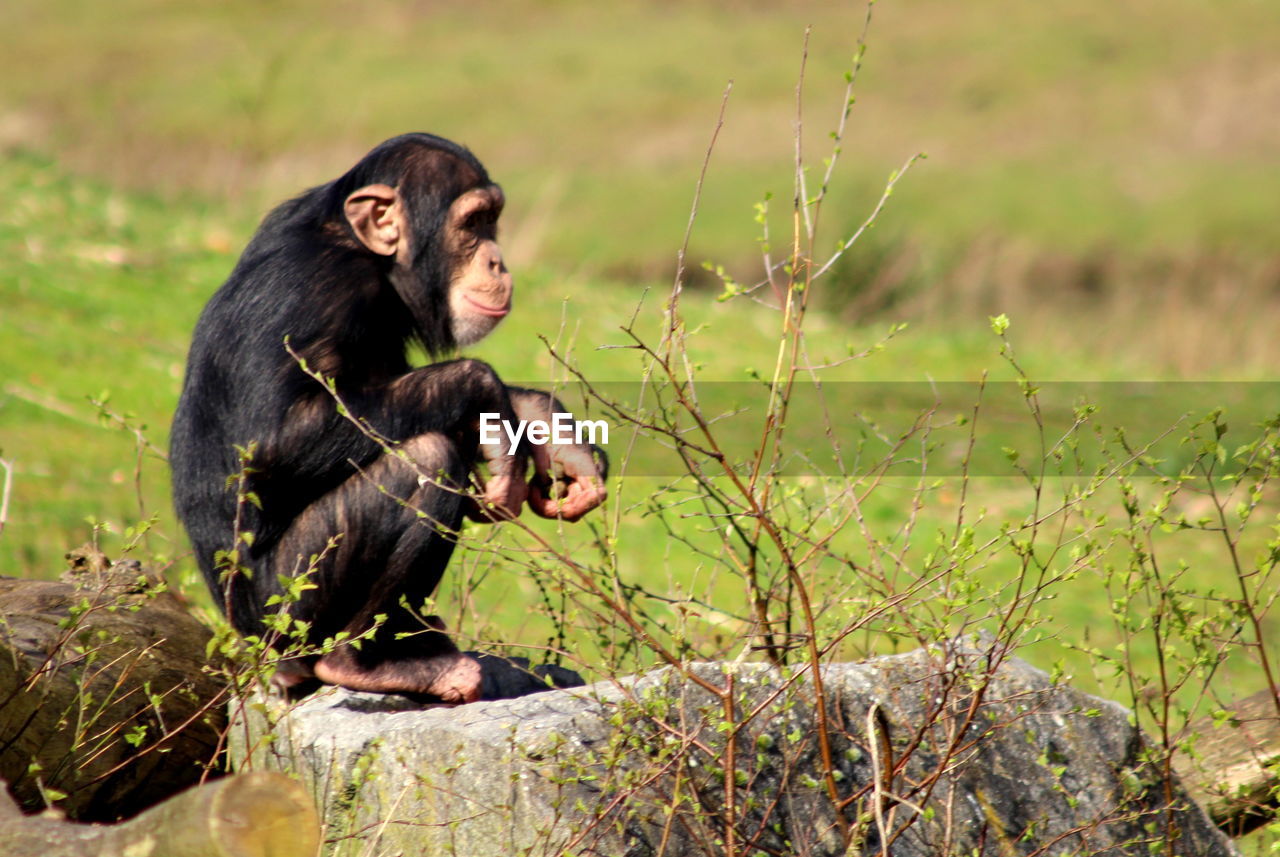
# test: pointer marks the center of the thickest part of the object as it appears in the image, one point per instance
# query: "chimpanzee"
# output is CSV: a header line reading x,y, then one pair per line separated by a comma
x,y
337,283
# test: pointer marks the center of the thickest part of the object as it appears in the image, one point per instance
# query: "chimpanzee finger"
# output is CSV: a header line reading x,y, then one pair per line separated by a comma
x,y
575,499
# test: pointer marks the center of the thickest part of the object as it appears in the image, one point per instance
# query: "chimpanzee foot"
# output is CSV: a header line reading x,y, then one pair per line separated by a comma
x,y
295,677
511,677
451,677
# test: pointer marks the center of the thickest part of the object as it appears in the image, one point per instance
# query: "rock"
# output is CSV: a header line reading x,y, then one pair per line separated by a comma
x,y
254,815
103,694
940,753
1234,773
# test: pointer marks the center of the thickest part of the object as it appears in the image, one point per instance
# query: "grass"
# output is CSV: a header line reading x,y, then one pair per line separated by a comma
x,y
101,289
1101,123
1103,136
105,303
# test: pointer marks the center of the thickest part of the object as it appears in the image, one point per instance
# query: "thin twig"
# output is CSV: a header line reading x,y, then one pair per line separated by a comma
x,y
678,285
5,493
48,403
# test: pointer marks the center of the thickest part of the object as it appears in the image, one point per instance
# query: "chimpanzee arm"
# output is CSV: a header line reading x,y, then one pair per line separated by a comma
x,y
443,397
317,445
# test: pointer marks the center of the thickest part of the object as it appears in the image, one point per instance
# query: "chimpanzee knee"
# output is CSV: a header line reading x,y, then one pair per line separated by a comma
x,y
383,536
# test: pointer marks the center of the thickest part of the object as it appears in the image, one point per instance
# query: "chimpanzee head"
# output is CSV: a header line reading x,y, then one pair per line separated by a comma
x,y
426,205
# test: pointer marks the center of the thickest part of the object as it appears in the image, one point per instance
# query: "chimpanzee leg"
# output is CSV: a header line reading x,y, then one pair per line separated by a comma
x,y
386,554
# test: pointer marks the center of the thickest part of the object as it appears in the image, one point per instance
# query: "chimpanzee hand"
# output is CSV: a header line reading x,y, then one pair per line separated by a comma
x,y
503,499
566,481
568,478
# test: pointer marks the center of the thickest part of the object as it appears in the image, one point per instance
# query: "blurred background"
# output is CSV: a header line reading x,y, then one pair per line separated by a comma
x,y
1104,172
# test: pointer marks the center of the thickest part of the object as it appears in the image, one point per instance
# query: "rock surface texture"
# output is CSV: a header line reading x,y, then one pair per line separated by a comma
x,y
955,752
104,696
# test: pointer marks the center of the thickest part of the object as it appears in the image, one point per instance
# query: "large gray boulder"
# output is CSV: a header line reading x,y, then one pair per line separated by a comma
x,y
955,752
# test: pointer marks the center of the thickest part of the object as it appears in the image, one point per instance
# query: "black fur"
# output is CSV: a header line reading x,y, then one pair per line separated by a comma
x,y
306,278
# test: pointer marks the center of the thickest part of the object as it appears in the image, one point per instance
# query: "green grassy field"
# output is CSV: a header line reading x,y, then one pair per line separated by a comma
x,y
1104,174
1098,163
101,288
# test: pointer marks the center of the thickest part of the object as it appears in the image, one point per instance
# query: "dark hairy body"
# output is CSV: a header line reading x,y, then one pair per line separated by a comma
x,y
343,279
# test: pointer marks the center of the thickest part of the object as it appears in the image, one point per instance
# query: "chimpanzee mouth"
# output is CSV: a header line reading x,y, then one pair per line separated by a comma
x,y
496,312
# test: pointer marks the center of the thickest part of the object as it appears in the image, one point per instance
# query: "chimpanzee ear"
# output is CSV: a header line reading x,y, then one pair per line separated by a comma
x,y
377,216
